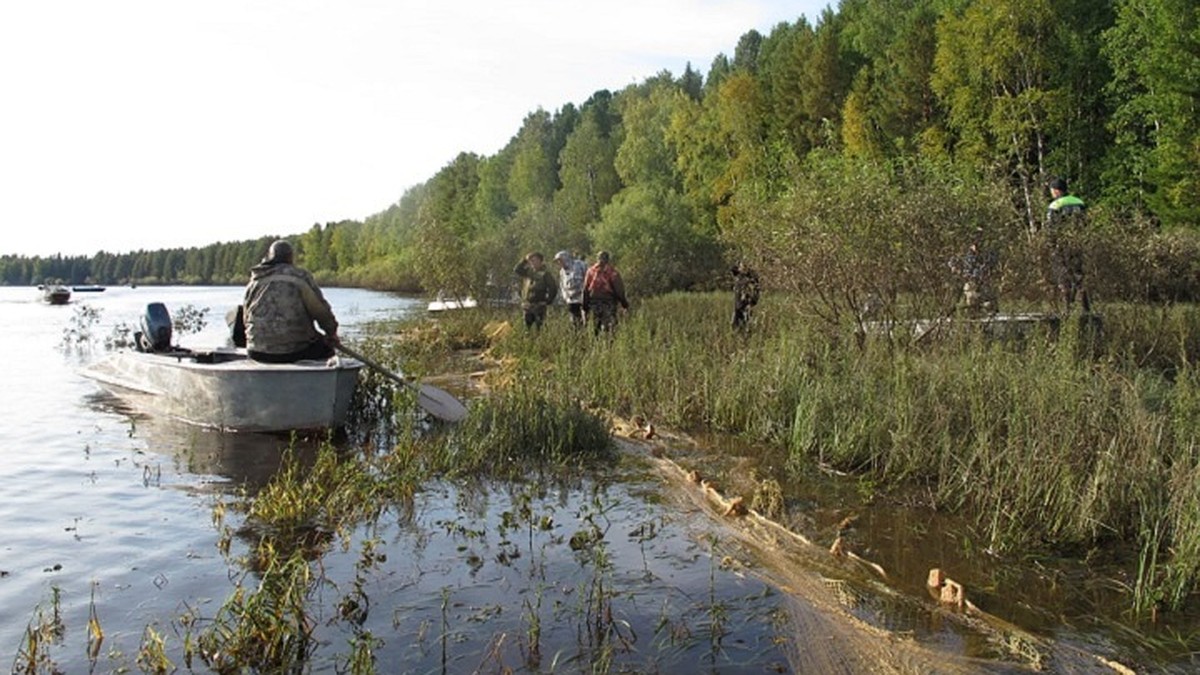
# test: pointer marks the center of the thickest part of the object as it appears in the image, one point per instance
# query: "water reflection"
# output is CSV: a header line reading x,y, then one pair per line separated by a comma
x,y
244,460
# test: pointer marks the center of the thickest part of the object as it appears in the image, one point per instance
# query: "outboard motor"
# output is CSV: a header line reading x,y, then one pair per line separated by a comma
x,y
155,335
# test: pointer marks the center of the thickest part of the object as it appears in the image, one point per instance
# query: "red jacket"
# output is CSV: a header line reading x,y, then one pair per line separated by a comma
x,y
603,282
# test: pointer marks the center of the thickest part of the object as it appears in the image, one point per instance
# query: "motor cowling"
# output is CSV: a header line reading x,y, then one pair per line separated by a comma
x,y
155,335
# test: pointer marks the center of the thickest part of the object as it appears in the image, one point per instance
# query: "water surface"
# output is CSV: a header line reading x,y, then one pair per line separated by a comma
x,y
96,493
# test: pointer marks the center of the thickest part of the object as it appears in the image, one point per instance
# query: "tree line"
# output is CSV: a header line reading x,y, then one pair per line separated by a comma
x,y
820,135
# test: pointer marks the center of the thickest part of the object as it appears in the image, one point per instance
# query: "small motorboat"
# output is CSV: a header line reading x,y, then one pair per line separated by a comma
x,y
56,294
223,388
89,288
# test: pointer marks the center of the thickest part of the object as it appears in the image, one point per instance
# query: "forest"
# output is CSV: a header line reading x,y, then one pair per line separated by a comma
x,y
860,148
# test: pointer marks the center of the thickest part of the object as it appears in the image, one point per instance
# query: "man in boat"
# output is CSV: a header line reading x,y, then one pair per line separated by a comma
x,y
603,290
1063,218
538,288
281,304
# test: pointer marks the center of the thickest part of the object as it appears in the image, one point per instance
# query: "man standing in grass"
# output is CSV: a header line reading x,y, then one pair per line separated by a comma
x,y
538,288
746,289
976,267
603,290
1066,254
572,272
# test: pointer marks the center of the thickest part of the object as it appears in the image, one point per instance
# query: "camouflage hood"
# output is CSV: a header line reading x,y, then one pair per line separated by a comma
x,y
281,304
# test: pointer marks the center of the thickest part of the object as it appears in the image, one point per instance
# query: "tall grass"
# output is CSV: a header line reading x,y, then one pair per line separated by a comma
x,y
1046,442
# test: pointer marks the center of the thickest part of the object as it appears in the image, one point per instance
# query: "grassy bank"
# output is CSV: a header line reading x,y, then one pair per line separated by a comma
x,y
1047,444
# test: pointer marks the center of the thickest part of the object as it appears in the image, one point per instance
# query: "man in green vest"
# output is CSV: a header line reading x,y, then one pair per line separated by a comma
x,y
1062,202
1066,262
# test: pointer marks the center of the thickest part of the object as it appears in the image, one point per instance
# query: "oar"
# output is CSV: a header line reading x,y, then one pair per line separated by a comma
x,y
437,402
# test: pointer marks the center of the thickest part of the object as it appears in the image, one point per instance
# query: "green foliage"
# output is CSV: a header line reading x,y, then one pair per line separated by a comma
x,y
266,628
891,102
649,233
1155,86
523,429
589,177
853,233
533,176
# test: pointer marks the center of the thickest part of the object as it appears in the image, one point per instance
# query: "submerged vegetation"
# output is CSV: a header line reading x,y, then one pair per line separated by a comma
x,y
285,539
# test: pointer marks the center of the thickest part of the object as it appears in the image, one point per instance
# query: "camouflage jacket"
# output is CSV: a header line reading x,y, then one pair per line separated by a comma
x,y
538,287
281,303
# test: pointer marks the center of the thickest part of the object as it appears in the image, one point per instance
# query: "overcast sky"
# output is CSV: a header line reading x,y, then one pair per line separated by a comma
x,y
128,124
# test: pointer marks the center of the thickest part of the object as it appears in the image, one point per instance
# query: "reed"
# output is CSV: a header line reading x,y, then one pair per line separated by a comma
x,y
266,628
1063,442
41,635
522,429
152,655
305,507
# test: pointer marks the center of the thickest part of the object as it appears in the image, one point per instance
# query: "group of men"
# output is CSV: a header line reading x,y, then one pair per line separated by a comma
x,y
595,291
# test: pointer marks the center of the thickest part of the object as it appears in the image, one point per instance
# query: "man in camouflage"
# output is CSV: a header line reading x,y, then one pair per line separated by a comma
x,y
281,304
977,267
746,289
538,288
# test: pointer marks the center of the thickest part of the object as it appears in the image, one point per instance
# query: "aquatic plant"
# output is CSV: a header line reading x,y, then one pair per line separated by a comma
x,y
120,337
152,655
304,507
189,319
266,627
42,633
77,334
521,429
362,660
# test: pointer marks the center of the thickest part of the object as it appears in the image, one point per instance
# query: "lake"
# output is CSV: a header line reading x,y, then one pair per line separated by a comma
x,y
109,514
91,492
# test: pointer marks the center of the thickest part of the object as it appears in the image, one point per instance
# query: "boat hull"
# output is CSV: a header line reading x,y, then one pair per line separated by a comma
x,y
56,295
224,389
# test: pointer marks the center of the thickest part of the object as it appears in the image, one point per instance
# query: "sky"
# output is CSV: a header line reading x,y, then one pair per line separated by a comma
x,y
147,124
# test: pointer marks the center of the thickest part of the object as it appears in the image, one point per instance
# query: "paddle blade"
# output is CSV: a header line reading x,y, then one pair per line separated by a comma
x,y
441,404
